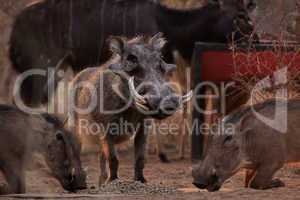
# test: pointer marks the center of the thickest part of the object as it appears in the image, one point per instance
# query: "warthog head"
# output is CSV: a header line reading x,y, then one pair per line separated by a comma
x,y
142,62
221,161
63,156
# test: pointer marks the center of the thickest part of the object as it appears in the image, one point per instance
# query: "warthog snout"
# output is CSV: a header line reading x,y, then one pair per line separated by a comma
x,y
74,180
161,101
164,106
211,184
206,176
200,185
77,182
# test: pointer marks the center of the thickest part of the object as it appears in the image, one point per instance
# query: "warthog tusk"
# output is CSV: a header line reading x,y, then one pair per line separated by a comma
x,y
72,174
187,97
116,89
85,169
141,106
137,97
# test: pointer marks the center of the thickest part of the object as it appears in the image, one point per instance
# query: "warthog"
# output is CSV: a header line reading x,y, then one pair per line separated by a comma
x,y
22,134
254,146
130,89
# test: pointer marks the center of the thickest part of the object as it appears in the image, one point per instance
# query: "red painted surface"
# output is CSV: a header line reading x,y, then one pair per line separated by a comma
x,y
223,65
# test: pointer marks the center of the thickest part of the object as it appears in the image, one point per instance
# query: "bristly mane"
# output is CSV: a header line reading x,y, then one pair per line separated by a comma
x,y
236,115
52,119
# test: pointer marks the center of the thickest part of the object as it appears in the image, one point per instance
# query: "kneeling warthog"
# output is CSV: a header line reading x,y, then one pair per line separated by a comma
x,y
22,134
245,141
118,97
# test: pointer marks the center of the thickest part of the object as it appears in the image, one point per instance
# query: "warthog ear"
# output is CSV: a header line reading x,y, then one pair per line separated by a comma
x,y
157,41
169,68
116,44
228,140
115,67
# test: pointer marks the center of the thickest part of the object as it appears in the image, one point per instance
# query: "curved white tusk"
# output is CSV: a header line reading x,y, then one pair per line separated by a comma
x,y
116,89
73,171
137,97
142,107
72,174
187,97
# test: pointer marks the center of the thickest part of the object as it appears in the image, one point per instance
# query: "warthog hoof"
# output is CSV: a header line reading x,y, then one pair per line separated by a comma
x,y
163,158
102,180
276,183
4,189
111,179
140,179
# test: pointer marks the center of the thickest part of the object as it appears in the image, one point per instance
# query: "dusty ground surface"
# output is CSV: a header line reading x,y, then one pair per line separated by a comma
x,y
174,179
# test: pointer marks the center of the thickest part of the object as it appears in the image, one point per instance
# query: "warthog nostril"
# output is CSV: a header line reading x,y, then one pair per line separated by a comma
x,y
200,185
168,109
170,105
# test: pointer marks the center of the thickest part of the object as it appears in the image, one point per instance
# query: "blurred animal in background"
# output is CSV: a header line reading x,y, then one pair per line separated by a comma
x,y
23,134
47,31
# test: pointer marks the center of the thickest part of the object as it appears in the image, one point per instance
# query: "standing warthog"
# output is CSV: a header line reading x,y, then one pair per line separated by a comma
x,y
254,146
133,87
22,134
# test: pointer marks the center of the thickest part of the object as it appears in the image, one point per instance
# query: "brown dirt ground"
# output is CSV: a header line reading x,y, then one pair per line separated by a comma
x,y
175,174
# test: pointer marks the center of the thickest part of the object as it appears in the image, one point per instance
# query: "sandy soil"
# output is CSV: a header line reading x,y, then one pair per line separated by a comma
x,y
176,175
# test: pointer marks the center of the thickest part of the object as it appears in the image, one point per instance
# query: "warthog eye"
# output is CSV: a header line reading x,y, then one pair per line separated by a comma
x,y
227,139
132,58
131,63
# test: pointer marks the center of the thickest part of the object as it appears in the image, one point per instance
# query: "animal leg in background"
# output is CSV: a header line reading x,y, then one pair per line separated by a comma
x,y
159,147
183,130
103,167
140,141
109,152
15,176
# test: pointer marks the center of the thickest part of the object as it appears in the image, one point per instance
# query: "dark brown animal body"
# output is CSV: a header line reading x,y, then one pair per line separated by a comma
x,y
22,134
48,30
246,141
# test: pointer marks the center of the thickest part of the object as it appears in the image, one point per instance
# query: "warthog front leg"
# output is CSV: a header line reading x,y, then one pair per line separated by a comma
x,y
183,130
249,176
263,177
15,177
158,140
103,168
139,150
109,153
4,189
